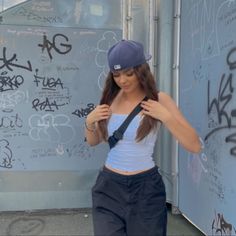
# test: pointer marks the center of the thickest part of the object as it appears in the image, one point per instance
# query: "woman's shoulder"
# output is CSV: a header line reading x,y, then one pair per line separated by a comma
x,y
162,94
164,97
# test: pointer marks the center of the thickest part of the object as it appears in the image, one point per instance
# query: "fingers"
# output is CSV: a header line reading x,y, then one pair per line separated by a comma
x,y
150,108
147,105
104,110
101,112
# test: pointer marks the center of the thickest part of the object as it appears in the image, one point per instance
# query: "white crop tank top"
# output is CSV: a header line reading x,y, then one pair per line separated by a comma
x,y
129,155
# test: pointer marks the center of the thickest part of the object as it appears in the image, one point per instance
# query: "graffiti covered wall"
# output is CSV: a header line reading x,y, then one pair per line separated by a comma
x,y
52,70
207,189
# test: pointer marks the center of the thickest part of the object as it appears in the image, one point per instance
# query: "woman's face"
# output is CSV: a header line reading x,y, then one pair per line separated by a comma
x,y
126,80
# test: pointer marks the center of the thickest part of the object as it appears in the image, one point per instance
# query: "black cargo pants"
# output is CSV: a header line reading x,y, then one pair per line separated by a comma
x,y
129,205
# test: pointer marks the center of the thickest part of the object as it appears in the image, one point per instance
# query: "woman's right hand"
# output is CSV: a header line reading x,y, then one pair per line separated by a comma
x,y
101,112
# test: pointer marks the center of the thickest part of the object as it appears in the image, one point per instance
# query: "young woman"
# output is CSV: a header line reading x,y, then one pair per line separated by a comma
x,y
129,195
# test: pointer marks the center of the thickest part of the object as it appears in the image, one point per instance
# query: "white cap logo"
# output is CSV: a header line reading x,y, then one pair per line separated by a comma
x,y
117,67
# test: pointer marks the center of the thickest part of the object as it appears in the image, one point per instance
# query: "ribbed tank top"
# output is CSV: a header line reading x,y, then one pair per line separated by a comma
x,y
129,155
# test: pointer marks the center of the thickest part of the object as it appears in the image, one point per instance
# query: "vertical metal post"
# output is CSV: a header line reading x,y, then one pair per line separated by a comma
x,y
164,70
127,18
176,49
153,22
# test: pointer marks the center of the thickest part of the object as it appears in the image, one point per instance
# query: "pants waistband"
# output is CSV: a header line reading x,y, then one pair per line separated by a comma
x,y
121,177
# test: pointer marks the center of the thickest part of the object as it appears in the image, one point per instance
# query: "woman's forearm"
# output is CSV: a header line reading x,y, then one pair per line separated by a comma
x,y
185,134
91,134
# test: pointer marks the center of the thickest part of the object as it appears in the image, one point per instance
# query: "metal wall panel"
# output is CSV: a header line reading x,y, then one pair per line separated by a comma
x,y
164,37
207,189
53,174
52,69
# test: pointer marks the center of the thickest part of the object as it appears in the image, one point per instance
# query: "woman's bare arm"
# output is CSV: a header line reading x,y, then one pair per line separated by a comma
x,y
167,111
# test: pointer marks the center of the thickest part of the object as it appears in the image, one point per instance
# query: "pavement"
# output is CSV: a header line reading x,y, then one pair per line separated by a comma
x,y
47,222
72,222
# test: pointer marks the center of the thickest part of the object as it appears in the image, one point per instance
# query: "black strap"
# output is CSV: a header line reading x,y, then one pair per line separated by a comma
x,y
118,134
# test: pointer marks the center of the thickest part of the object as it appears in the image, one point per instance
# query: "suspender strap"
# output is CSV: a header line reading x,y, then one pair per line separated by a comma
x,y
118,134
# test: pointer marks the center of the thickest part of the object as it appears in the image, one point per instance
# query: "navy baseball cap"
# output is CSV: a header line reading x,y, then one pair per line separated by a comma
x,y
126,54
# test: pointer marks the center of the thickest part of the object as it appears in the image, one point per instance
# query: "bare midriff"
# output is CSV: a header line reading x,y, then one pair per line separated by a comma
x,y
125,172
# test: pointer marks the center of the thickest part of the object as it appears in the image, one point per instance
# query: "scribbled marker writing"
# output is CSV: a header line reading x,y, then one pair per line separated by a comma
x,y
10,83
56,44
10,121
11,62
221,103
224,97
221,227
83,112
46,105
47,83
5,154
12,99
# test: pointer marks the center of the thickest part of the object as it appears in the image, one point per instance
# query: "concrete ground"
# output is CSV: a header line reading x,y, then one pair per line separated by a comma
x,y
73,223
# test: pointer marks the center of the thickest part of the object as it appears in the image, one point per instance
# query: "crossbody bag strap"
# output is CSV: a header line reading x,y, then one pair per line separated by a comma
x,y
118,134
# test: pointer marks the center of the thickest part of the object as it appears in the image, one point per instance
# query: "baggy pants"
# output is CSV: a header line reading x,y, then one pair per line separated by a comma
x,y
133,205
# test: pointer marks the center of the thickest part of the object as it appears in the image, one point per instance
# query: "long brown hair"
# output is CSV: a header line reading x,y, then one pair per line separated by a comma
x,y
148,85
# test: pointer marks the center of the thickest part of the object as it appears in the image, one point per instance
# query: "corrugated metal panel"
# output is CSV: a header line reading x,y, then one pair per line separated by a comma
x,y
53,65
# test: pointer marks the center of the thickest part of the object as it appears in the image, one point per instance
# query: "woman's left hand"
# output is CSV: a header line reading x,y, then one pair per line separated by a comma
x,y
155,110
